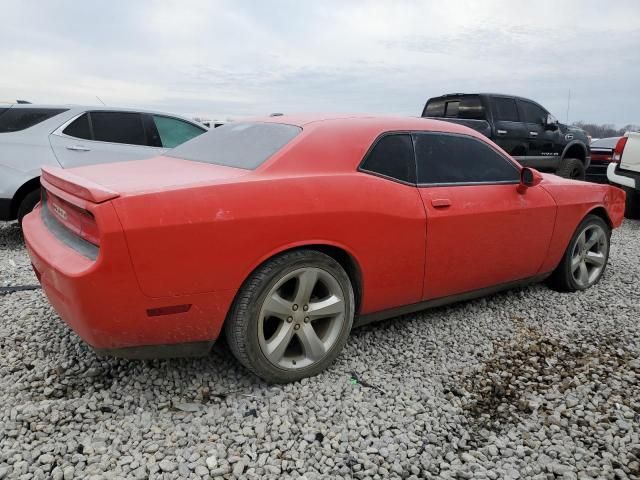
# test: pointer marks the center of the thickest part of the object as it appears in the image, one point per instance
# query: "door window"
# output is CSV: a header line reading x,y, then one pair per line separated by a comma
x,y
118,127
457,159
79,128
173,132
532,113
392,156
505,109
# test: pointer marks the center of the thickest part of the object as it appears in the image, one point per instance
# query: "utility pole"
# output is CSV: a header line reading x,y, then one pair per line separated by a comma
x,y
568,105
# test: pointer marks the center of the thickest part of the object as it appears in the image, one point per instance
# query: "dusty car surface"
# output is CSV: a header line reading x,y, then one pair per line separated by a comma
x,y
284,232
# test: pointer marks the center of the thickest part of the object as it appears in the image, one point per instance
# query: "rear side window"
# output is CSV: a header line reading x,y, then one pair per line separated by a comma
x,y
174,132
118,127
434,108
392,156
505,109
240,145
16,119
467,107
79,128
452,159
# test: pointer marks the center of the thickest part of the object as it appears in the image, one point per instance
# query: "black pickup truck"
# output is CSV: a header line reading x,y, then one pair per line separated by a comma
x,y
522,127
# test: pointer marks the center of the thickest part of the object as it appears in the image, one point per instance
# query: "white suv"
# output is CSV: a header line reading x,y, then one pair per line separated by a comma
x,y
69,136
624,170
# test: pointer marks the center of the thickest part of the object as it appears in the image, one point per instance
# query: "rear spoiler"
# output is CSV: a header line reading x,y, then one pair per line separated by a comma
x,y
78,186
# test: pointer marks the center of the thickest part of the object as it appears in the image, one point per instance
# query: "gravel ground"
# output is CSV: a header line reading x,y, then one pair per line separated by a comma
x,y
524,384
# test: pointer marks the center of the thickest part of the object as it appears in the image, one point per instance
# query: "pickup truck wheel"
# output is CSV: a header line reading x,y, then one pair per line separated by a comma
x,y
292,317
632,204
28,203
571,168
586,257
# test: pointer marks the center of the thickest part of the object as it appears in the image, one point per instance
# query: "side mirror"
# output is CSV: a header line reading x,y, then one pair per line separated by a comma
x,y
529,177
550,123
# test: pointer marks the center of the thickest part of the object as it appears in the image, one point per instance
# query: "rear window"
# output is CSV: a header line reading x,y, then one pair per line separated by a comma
x,y
467,107
240,145
16,119
609,142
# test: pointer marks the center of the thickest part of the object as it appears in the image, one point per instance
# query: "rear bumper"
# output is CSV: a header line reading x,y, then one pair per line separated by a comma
x,y
597,172
617,176
102,302
5,209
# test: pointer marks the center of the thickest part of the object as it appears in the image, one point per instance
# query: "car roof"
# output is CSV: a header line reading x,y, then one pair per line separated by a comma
x,y
101,108
379,122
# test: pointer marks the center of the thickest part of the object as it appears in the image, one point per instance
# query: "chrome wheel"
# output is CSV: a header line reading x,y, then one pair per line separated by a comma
x,y
589,255
301,318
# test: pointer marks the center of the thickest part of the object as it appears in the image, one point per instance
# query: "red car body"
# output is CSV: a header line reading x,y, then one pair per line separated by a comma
x,y
178,238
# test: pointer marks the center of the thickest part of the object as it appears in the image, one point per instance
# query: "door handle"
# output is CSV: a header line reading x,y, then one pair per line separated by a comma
x,y
78,148
501,132
440,202
533,134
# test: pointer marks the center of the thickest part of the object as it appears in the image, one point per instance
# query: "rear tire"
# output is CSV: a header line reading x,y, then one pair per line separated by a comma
x,y
28,203
585,259
571,168
632,204
292,316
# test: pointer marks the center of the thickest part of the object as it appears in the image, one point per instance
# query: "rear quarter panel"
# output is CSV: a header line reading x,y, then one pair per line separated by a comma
x,y
575,201
211,238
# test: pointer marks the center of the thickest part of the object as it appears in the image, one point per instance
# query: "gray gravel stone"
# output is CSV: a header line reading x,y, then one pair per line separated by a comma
x,y
524,384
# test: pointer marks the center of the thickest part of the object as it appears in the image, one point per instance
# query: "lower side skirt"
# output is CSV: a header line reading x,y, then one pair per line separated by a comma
x,y
439,302
147,352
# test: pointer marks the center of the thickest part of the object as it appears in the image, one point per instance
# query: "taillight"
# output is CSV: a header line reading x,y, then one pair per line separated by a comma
x,y
79,221
617,152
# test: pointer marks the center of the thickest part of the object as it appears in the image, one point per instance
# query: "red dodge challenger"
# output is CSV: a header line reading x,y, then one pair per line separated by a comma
x,y
285,232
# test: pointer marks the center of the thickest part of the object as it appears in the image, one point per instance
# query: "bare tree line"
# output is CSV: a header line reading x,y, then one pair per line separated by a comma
x,y
605,130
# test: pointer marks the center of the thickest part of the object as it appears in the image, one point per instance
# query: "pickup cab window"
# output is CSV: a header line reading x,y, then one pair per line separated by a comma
x,y
467,107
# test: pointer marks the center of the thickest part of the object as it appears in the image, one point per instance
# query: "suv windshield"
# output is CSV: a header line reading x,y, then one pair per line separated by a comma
x,y
240,145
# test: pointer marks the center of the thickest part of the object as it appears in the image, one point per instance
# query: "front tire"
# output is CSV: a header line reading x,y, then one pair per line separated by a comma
x,y
292,316
571,168
586,257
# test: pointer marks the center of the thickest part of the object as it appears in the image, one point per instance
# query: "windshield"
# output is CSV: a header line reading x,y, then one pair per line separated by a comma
x,y
240,145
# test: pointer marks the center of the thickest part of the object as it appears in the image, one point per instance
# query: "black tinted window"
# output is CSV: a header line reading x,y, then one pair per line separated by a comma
x,y
241,145
16,119
471,108
532,113
118,127
79,128
451,109
434,108
458,159
393,157
505,109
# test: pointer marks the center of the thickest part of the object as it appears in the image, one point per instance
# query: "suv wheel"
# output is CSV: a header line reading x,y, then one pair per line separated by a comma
x,y
28,203
292,317
632,204
571,168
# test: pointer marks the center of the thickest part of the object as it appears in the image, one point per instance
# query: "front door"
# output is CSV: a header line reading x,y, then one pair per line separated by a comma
x,y
540,140
481,231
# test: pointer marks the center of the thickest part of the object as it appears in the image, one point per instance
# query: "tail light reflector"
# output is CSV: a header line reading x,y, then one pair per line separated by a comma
x,y
617,152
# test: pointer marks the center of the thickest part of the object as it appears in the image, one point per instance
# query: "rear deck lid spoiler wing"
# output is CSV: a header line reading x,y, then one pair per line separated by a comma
x,y
78,186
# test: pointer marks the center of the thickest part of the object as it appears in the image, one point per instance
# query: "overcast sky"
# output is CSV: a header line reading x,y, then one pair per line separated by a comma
x,y
232,58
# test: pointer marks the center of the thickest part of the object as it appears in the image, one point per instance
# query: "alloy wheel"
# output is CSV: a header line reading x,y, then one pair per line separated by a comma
x,y
589,255
301,318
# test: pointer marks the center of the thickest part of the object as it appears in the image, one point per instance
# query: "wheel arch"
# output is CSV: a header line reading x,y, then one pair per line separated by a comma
x,y
26,188
341,254
601,212
575,149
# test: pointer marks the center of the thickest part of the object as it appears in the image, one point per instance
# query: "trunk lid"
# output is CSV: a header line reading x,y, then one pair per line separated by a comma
x,y
103,182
